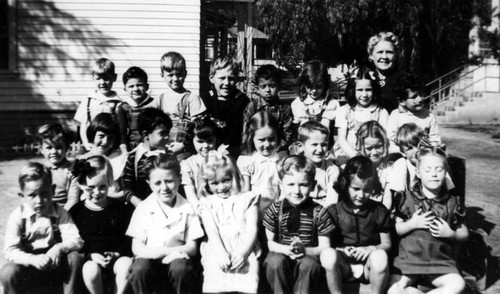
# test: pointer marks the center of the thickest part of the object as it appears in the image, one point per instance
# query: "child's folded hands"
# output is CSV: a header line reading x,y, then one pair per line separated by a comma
x,y
422,220
40,261
441,229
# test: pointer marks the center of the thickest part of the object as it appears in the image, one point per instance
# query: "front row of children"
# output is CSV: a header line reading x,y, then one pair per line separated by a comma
x,y
45,245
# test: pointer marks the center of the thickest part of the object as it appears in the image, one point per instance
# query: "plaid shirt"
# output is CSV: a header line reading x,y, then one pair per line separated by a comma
x,y
279,109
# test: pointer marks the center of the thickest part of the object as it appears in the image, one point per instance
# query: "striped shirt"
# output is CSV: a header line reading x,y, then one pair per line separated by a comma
x,y
314,221
132,185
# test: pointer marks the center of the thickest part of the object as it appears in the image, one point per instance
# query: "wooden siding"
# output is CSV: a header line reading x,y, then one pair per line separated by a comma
x,y
58,40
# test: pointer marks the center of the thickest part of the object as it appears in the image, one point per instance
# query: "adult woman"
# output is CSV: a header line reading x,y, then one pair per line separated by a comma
x,y
383,51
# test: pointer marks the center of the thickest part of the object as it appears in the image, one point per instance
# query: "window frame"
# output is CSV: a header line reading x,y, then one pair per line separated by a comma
x,y
12,39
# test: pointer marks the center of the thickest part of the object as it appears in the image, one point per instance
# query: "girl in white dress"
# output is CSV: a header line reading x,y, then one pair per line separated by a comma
x,y
229,253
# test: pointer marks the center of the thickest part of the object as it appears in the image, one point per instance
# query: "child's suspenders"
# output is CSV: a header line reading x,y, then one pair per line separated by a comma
x,y
53,224
280,221
113,112
181,106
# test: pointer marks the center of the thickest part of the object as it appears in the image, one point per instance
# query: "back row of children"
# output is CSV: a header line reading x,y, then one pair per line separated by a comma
x,y
295,226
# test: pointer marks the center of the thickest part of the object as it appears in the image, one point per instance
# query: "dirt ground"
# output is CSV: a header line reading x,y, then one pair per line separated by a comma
x,y
482,153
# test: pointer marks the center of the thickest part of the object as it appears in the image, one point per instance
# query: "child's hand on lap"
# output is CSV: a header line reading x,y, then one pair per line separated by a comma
x,y
40,261
361,253
294,252
224,261
441,229
100,259
422,220
54,254
238,261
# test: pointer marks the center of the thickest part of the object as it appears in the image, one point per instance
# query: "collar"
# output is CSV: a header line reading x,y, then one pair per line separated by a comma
x,y
133,103
422,112
258,158
363,212
171,214
307,205
101,98
372,108
28,211
274,101
420,196
64,163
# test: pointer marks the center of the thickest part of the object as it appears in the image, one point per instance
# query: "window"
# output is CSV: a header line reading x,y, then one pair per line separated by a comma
x,y
7,35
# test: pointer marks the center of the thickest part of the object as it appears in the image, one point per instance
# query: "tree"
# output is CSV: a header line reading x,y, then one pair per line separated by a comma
x,y
434,34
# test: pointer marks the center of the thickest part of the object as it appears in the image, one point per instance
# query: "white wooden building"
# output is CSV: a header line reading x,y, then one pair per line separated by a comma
x,y
48,46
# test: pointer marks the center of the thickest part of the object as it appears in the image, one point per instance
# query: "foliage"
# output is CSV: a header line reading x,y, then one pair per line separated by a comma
x,y
433,33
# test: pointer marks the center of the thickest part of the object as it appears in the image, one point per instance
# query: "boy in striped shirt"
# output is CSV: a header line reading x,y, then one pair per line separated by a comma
x,y
297,230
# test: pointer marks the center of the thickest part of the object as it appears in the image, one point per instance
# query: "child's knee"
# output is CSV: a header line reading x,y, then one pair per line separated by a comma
x,y
91,270
140,267
75,260
181,268
455,284
309,264
396,288
275,261
9,273
378,260
329,259
122,265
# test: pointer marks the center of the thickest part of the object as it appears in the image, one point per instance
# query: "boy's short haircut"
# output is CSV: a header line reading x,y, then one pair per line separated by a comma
x,y
134,72
405,82
34,171
267,72
55,134
103,66
172,61
151,118
162,161
409,135
105,123
309,127
297,163
223,62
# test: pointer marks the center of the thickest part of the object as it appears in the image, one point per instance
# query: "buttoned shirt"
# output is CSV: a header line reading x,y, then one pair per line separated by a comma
x,y
423,118
158,225
26,232
94,104
263,173
314,221
280,110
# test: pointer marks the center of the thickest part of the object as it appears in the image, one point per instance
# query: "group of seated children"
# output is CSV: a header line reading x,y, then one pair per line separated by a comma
x,y
185,212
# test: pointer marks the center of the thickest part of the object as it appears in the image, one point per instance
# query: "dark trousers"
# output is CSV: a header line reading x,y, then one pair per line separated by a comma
x,y
151,276
17,278
301,276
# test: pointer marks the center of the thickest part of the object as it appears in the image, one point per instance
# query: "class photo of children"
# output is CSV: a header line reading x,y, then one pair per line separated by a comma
x,y
249,147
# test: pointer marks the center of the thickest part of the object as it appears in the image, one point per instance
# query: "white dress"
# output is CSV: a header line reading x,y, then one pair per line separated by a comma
x,y
229,216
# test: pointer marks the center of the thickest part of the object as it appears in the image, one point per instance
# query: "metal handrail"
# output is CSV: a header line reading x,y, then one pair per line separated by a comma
x,y
445,75
437,92
458,92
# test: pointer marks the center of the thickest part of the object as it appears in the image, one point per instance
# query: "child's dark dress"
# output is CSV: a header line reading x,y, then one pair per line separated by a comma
x,y
420,252
362,228
104,230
